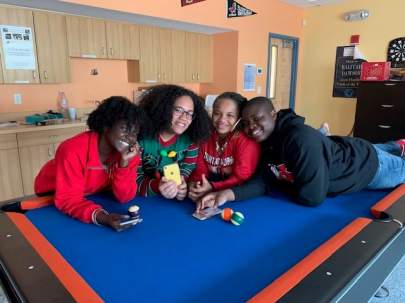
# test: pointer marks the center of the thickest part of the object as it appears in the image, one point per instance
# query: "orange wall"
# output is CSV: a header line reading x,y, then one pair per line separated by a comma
x,y
273,16
225,58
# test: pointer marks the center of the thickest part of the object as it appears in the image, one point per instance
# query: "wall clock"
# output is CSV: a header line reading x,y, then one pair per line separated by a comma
x,y
396,52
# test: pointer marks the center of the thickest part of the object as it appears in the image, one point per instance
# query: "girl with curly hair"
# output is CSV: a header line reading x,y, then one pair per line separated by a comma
x,y
178,122
105,157
229,157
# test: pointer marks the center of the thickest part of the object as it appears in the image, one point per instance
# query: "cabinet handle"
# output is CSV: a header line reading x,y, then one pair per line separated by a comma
x,y
384,126
198,76
387,105
193,77
390,84
49,152
158,75
45,75
112,51
34,74
103,50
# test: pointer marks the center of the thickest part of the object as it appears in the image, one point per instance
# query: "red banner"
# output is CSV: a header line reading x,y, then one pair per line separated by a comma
x,y
188,2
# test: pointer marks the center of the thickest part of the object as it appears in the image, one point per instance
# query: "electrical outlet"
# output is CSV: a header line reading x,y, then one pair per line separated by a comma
x,y
17,99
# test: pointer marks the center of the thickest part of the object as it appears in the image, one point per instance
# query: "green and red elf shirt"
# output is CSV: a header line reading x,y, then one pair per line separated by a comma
x,y
155,155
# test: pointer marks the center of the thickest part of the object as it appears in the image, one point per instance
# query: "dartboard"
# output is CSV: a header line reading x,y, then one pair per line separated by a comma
x,y
396,52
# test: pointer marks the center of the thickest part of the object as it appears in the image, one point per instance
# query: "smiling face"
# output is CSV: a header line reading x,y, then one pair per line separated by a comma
x,y
258,121
183,114
224,115
121,136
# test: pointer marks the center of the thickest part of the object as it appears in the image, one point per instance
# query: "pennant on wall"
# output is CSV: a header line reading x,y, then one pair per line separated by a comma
x,y
188,2
237,10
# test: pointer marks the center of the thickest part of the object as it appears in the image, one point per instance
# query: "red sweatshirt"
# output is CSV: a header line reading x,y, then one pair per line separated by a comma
x,y
234,165
77,171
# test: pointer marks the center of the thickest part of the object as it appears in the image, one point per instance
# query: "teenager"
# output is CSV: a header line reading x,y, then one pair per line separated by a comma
x,y
309,165
228,158
178,123
105,157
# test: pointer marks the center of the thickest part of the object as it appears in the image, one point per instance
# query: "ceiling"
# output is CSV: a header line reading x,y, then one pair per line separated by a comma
x,y
90,11
309,3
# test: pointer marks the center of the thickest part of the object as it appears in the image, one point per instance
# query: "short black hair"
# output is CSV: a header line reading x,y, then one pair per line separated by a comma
x,y
158,102
115,109
262,101
238,99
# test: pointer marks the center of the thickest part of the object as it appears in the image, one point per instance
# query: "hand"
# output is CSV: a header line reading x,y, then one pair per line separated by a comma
x,y
181,190
199,189
113,220
127,155
215,199
168,188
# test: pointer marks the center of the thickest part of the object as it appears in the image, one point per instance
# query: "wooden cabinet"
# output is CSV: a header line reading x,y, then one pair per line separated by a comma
x,y
198,58
149,61
36,148
165,55
178,42
52,47
10,173
86,37
122,41
205,63
23,18
380,111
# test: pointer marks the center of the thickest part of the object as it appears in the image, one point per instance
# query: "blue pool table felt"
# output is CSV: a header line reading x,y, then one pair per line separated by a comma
x,y
173,257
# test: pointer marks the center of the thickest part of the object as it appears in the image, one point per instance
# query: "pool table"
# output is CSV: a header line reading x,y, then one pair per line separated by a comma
x,y
340,251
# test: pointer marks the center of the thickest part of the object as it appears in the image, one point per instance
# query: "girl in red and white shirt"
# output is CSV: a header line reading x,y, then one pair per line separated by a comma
x,y
229,157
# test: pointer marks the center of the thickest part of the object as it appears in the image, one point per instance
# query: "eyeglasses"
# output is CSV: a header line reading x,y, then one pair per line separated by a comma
x,y
179,111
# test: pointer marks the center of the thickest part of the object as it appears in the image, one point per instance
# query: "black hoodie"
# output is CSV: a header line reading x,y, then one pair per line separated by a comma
x,y
310,165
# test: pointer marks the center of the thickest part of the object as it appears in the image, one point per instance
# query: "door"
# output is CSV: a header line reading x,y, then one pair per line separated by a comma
x,y
282,71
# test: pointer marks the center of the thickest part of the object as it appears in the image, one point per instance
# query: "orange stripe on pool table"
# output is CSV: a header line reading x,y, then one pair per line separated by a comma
x,y
388,200
37,202
72,281
292,277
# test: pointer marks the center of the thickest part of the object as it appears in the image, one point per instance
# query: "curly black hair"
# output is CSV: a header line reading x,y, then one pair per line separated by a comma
x,y
113,110
158,102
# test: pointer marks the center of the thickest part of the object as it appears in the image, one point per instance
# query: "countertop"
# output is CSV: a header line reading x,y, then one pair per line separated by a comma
x,y
22,128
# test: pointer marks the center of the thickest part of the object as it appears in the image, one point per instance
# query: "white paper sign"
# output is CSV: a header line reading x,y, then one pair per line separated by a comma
x,y
249,77
18,47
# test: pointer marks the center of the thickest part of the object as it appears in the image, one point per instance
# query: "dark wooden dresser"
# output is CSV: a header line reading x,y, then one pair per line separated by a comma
x,y
380,111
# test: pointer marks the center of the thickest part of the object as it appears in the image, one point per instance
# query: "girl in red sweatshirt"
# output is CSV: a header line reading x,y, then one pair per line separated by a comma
x,y
229,157
106,157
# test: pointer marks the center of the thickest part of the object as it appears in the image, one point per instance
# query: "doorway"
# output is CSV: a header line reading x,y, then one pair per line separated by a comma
x,y
282,70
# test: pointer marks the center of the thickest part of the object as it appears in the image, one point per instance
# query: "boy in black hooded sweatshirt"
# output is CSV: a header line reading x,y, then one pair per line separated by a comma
x,y
307,164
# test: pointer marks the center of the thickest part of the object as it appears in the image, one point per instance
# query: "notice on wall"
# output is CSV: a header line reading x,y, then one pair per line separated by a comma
x,y
18,47
249,77
347,72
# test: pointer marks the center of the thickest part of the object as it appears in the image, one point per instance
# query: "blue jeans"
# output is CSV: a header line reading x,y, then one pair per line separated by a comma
x,y
391,167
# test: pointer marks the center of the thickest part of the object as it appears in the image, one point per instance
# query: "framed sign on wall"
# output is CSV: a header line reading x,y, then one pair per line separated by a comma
x,y
347,72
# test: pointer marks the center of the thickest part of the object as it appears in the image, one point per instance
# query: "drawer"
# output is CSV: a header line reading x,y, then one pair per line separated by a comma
x,y
378,133
46,136
8,141
382,93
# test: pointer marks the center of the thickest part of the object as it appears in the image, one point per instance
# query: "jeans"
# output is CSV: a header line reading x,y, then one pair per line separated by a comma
x,y
391,167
